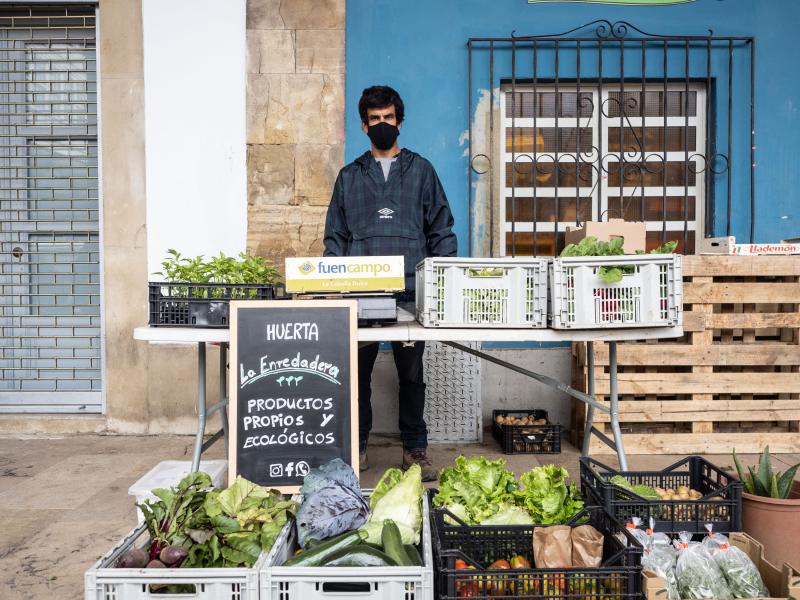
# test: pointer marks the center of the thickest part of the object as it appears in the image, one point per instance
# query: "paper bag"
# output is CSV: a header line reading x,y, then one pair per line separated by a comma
x,y
587,547
552,547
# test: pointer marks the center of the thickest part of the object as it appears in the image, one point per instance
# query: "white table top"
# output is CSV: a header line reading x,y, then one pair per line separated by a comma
x,y
407,329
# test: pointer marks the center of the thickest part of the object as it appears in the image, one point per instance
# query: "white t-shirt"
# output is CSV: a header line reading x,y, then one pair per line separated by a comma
x,y
386,164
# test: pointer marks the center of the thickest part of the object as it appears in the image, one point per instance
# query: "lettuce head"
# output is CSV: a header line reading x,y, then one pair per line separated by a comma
x,y
547,497
398,496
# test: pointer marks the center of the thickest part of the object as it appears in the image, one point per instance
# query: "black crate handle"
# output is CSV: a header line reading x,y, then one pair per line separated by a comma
x,y
458,554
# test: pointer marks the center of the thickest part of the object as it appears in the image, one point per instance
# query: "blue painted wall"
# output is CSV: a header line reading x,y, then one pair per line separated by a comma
x,y
419,47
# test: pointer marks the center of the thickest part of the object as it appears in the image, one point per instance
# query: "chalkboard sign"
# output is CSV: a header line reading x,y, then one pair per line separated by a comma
x,y
293,396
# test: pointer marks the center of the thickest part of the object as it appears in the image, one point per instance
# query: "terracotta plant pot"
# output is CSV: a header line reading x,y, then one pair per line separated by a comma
x,y
776,524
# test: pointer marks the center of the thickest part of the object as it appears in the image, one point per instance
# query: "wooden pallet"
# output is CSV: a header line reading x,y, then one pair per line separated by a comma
x,y
733,379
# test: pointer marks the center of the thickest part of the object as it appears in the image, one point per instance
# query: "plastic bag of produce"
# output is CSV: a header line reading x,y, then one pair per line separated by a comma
x,y
740,573
634,527
332,503
662,541
659,558
698,574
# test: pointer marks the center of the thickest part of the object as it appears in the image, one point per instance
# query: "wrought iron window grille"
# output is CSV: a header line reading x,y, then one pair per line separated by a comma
x,y
655,95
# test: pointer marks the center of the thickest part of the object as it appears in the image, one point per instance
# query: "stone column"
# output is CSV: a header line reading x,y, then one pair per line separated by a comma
x,y
295,122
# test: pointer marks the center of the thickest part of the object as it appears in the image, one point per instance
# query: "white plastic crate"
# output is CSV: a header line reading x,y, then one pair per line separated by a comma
x,y
482,292
168,473
651,296
364,583
104,582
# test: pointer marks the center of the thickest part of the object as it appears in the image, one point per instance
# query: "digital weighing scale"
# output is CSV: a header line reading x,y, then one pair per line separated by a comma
x,y
373,281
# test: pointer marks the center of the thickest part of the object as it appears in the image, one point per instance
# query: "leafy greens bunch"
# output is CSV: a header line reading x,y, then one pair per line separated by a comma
x,y
481,491
591,246
476,488
224,269
228,528
547,496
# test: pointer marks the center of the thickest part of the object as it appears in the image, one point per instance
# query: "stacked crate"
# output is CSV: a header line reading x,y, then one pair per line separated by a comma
x,y
735,370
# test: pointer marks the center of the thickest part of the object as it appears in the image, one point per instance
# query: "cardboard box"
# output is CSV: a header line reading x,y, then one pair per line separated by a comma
x,y
728,245
715,245
782,583
634,233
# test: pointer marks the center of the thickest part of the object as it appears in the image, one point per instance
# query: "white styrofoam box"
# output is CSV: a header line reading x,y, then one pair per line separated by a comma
x,y
482,292
650,296
168,473
364,583
105,582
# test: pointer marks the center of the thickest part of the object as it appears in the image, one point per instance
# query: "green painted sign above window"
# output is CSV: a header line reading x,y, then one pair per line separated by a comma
x,y
633,2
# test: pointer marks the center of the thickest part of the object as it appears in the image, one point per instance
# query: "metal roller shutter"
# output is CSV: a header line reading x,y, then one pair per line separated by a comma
x,y
50,350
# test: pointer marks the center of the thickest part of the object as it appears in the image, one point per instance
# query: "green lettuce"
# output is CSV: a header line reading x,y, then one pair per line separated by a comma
x,y
475,488
547,497
398,496
591,246
508,514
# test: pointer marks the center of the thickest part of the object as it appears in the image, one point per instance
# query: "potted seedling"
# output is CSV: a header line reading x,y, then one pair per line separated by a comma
x,y
771,508
196,291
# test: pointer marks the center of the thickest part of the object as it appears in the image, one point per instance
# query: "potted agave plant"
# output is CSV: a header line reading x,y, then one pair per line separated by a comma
x,y
771,508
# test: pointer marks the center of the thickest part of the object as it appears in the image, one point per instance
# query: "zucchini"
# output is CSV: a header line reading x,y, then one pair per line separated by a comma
x,y
359,555
413,554
313,557
393,544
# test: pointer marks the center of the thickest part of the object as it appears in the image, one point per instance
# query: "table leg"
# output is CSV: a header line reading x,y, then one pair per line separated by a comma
x,y
201,405
587,430
223,388
614,405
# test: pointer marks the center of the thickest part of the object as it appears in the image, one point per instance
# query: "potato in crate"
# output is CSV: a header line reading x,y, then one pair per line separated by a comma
x,y
482,292
526,432
682,497
600,292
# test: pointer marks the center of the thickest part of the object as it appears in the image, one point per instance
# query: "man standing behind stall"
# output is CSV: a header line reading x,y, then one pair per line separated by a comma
x,y
389,201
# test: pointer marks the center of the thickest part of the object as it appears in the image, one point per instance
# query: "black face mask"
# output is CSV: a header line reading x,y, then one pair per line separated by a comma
x,y
383,135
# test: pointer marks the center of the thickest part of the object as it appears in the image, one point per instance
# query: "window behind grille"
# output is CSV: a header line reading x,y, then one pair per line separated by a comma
x,y
646,168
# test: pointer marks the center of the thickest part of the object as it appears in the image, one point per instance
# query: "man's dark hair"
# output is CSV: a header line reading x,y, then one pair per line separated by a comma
x,y
380,96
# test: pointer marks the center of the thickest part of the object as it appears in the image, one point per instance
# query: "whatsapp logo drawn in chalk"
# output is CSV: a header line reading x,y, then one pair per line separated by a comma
x,y
290,371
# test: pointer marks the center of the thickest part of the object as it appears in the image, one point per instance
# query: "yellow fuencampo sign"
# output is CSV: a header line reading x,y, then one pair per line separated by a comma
x,y
345,274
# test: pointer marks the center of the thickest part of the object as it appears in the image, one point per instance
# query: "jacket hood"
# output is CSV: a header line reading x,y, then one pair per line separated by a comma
x,y
406,159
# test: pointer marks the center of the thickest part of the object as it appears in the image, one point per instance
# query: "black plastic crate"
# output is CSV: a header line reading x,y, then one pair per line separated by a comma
x,y
200,304
618,577
526,439
720,505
